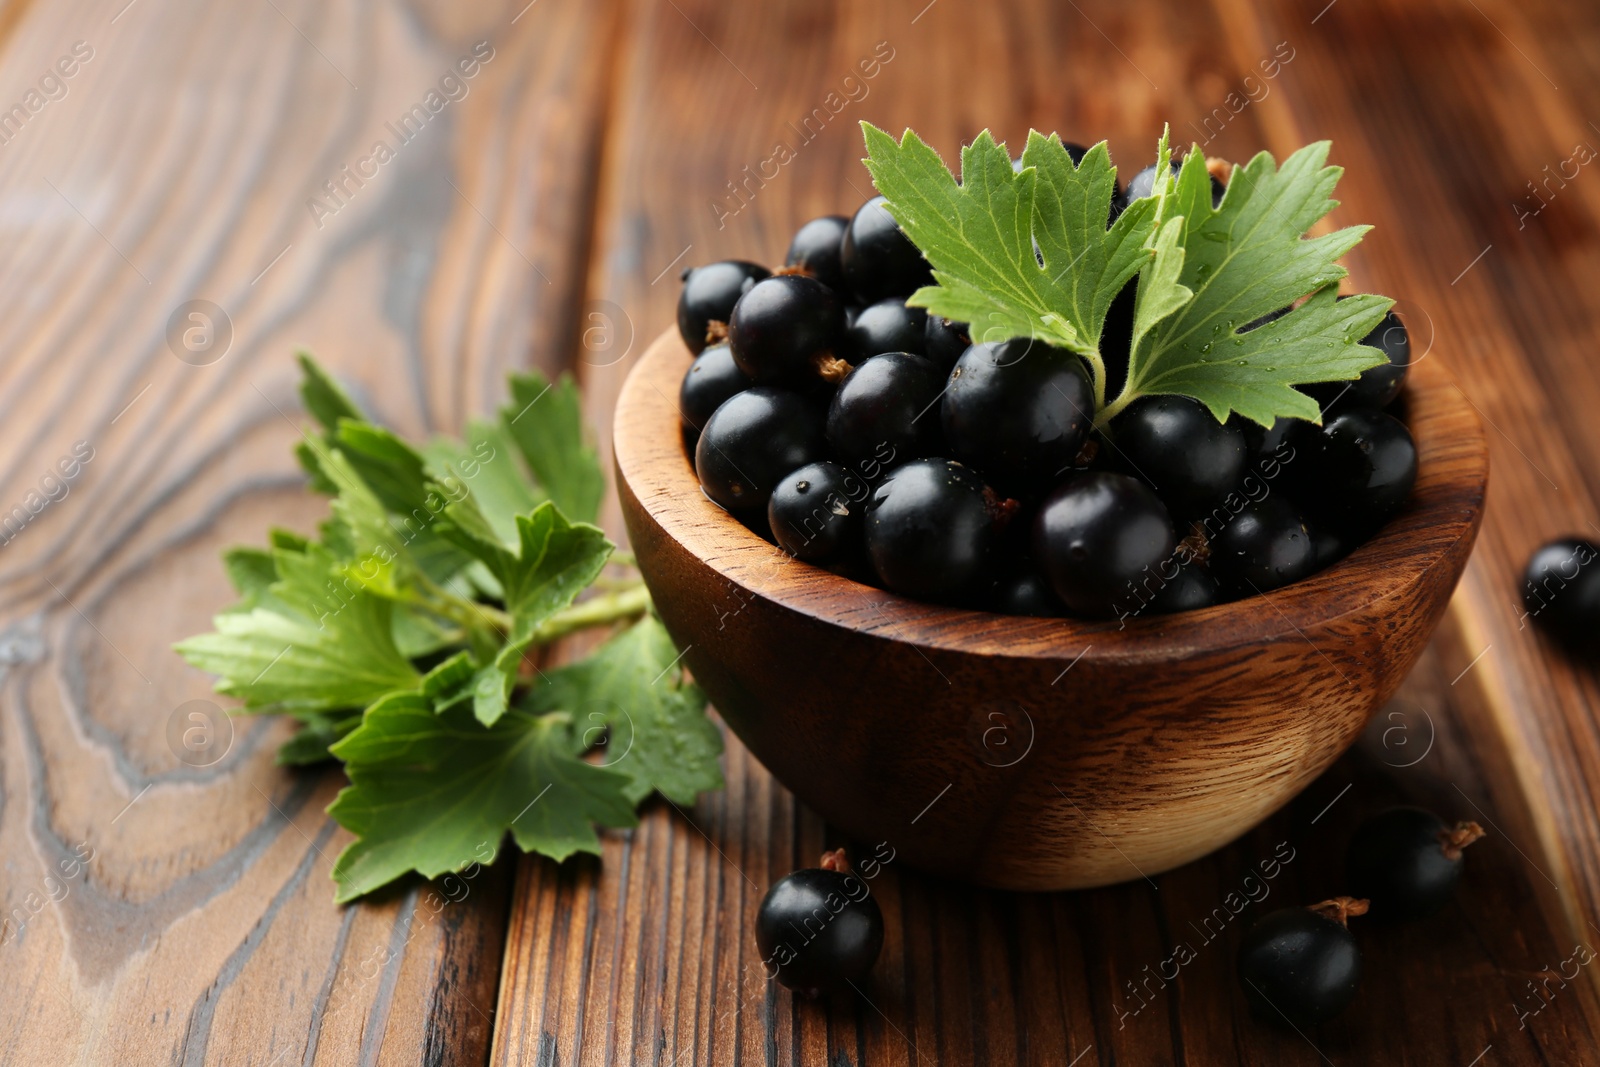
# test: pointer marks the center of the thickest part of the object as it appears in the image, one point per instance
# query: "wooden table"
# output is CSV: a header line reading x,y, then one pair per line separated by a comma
x,y
543,217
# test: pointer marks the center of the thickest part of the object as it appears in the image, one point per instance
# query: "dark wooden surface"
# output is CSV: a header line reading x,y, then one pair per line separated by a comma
x,y
555,202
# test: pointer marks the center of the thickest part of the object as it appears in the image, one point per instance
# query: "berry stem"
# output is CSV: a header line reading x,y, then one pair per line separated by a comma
x,y
1459,837
835,861
1340,909
831,368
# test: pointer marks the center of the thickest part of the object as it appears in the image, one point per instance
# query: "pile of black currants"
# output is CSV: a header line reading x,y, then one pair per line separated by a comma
x,y
870,438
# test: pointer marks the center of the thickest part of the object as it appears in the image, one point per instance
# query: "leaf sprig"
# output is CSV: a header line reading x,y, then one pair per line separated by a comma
x,y
1028,252
399,639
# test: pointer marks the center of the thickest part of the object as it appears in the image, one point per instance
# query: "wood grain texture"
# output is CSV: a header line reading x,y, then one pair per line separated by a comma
x,y
655,942
543,218
183,162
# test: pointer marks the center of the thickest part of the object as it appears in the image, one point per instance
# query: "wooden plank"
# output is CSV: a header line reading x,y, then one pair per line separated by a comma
x,y
648,956
182,162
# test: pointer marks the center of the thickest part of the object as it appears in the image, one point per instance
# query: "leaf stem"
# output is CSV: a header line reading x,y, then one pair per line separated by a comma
x,y
596,611
464,610
1115,408
1097,371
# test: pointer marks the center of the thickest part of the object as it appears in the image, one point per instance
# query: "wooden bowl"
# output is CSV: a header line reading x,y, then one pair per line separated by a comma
x,y
1032,753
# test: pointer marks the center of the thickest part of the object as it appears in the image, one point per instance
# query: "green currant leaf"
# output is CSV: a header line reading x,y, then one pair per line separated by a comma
x,y
432,792
545,420
318,732
1015,253
324,644
488,464
1215,271
654,719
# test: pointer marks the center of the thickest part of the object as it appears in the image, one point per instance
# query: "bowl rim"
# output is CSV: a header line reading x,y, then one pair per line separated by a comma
x,y
1435,529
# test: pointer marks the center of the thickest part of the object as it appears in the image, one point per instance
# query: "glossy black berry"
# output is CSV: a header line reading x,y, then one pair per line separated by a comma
x,y
712,378
930,527
1277,440
1264,546
1561,590
815,512
1327,546
819,930
753,440
784,326
816,248
1193,587
1181,451
709,294
1143,184
1101,539
1378,386
879,259
1362,467
887,326
1027,593
1407,861
944,342
887,406
1018,411
1300,965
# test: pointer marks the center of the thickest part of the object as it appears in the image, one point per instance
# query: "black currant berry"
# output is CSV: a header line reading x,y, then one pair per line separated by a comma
x,y
815,512
1378,386
944,342
1027,593
1561,590
886,406
1361,469
709,294
816,248
1264,546
1018,411
786,328
1192,588
1300,965
879,259
1143,184
1101,539
1277,440
930,527
819,929
1327,547
1407,861
753,440
1181,451
712,378
887,326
